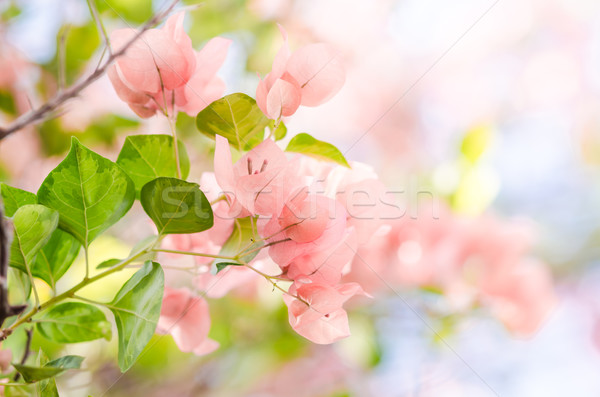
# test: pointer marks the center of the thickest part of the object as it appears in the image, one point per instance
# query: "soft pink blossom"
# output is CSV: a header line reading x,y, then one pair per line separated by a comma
x,y
258,183
162,68
310,76
321,317
307,224
185,316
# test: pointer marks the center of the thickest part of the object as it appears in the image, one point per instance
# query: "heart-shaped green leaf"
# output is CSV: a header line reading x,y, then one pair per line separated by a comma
x,y
236,117
33,374
33,224
90,192
136,308
176,206
14,198
306,144
74,322
55,258
146,157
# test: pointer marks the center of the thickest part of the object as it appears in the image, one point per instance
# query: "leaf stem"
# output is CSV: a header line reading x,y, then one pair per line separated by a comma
x,y
172,121
194,254
71,292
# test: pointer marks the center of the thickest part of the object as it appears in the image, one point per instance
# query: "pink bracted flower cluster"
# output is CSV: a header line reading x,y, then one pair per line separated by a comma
x,y
310,214
162,72
310,76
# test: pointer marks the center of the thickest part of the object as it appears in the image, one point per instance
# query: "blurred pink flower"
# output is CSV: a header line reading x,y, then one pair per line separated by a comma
x,y
5,359
522,298
185,316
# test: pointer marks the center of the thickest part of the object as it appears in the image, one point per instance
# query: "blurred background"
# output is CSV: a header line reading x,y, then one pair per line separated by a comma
x,y
491,106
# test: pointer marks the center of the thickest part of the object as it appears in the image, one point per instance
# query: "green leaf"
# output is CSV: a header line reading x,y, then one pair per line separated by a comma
x,y
19,286
241,238
280,132
46,387
91,193
14,198
55,257
146,157
236,117
7,103
136,308
223,265
74,322
33,224
33,374
109,263
176,206
306,144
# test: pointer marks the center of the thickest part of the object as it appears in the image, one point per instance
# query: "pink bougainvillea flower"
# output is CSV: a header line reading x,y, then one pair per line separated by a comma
x,y
307,224
162,68
310,76
323,320
258,183
185,316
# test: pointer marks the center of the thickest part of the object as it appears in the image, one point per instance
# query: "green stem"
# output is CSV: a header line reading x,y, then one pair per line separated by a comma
x,y
71,292
175,141
194,254
220,198
87,262
270,279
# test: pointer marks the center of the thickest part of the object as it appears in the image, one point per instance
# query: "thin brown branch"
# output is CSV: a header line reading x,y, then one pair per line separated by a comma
x,y
43,112
27,352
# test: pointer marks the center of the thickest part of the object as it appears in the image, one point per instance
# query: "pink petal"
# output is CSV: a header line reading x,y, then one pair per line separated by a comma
x,y
223,165
261,96
154,51
281,59
319,72
124,92
174,28
185,317
283,98
211,57
208,346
